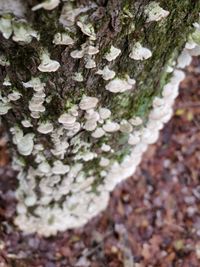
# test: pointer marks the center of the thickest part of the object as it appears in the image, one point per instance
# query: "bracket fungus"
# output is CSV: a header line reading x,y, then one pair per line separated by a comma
x,y
47,4
25,144
111,126
154,12
106,73
113,53
140,53
45,128
6,27
83,140
62,39
47,64
88,102
120,85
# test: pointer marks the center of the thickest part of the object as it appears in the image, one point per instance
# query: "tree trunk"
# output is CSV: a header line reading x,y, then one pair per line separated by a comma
x,y
78,82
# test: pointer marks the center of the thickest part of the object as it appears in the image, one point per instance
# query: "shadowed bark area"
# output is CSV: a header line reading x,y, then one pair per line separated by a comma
x,y
121,24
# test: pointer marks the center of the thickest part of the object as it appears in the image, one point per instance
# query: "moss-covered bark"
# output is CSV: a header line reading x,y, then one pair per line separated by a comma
x,y
117,23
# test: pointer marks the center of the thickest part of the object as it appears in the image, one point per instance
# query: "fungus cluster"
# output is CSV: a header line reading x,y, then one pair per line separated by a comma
x,y
36,103
61,190
71,183
23,142
18,29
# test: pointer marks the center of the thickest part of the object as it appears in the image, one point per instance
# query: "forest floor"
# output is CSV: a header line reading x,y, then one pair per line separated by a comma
x,y
153,218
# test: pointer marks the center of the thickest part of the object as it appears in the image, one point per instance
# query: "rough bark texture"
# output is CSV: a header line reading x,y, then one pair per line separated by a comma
x,y
118,23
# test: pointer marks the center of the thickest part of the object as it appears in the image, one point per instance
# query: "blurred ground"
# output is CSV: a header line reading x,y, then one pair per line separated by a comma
x,y
153,219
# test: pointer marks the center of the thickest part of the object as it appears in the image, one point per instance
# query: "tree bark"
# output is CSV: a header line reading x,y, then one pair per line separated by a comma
x,y
53,100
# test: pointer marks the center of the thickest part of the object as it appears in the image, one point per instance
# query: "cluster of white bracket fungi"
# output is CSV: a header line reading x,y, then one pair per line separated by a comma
x,y
55,194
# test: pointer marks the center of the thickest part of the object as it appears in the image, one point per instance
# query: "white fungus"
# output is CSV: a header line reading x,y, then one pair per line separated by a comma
x,y
104,113
47,64
154,12
44,167
120,85
111,126
87,29
125,127
14,96
106,73
78,77
73,186
4,108
25,144
105,148
27,123
113,53
90,63
62,39
136,121
67,119
45,128
47,4
184,59
22,32
98,133
60,168
30,200
140,53
90,125
134,138
88,102
6,27
91,50
104,162
77,53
